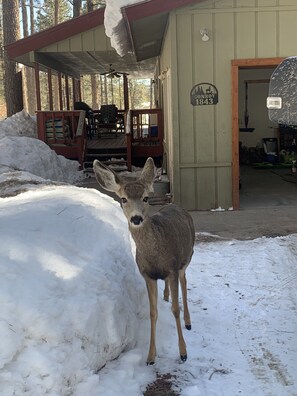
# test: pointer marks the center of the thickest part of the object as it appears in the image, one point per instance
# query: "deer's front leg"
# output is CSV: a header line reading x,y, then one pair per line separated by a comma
x,y
152,290
173,284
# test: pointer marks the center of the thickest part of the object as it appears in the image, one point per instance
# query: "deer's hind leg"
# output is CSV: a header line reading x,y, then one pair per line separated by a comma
x,y
152,290
183,284
173,284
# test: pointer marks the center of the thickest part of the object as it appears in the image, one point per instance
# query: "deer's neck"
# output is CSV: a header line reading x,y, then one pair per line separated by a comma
x,y
144,234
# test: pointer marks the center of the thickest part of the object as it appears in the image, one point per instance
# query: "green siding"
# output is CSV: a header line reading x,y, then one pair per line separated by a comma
x,y
201,152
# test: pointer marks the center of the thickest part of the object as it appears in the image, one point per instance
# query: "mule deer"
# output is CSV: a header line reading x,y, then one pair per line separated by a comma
x,y
164,244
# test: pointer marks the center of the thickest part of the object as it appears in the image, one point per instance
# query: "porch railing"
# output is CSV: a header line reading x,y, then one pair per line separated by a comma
x,y
145,134
64,132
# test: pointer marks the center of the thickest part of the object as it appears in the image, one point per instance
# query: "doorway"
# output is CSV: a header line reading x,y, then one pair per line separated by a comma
x,y
259,187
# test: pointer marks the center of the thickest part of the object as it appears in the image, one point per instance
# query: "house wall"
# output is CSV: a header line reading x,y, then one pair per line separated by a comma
x,y
202,135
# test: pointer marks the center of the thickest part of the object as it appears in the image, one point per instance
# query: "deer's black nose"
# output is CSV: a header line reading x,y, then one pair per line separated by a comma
x,y
136,220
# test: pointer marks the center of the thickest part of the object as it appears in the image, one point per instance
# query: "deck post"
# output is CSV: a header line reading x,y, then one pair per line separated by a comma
x,y
126,93
50,88
67,92
60,91
37,85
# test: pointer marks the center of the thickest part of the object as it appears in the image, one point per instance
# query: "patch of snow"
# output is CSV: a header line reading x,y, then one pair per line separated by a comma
x,y
69,290
115,27
21,151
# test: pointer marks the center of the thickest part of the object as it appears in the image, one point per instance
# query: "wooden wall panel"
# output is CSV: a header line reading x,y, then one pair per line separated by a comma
x,y
206,188
267,39
185,81
244,3
224,50
224,187
203,53
87,40
245,32
188,188
287,32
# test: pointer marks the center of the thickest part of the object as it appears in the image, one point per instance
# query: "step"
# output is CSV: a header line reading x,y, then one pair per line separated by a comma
x,y
107,150
121,164
100,155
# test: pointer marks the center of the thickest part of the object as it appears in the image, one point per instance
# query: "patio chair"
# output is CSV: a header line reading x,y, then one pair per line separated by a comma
x,y
107,123
91,125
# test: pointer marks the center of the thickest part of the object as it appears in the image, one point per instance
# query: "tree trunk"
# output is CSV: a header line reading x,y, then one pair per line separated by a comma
x,y
32,21
55,82
76,8
94,84
12,79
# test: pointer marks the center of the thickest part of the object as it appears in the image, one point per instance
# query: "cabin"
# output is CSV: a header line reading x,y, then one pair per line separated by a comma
x,y
211,61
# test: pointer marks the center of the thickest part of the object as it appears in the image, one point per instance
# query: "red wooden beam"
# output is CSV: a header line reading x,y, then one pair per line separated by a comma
x,y
56,33
154,7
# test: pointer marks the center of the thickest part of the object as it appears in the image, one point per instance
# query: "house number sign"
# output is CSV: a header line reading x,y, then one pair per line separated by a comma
x,y
204,94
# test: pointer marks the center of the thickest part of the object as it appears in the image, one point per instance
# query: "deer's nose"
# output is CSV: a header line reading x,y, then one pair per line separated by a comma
x,y
136,220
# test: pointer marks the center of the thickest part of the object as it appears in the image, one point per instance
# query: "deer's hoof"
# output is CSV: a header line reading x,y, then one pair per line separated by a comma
x,y
183,357
188,327
150,363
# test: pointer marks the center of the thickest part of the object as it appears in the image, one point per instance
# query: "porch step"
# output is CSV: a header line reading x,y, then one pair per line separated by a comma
x,y
116,158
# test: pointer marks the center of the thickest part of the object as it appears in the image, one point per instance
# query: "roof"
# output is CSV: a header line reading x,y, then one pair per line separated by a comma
x,y
145,25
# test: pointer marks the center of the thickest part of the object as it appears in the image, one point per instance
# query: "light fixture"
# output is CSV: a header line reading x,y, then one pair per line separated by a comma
x,y
162,76
204,34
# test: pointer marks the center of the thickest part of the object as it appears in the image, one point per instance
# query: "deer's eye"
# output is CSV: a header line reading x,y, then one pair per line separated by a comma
x,y
124,200
145,199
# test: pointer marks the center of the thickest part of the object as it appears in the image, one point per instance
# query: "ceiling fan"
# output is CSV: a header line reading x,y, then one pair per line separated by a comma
x,y
111,73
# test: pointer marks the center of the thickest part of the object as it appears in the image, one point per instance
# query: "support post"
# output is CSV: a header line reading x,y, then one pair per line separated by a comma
x,y
50,88
37,85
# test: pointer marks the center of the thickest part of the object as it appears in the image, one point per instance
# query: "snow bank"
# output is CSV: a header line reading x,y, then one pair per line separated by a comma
x,y
21,151
20,124
34,156
68,290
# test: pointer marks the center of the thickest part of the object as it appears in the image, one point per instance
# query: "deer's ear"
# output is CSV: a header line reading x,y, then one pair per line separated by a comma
x,y
107,179
148,173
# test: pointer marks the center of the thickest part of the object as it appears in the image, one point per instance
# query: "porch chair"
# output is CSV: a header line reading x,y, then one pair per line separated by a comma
x,y
91,124
108,120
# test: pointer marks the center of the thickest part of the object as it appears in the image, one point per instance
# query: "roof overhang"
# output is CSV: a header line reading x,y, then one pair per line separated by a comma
x,y
145,25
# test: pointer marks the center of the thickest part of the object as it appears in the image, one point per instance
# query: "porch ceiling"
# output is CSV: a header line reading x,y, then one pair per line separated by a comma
x,y
80,63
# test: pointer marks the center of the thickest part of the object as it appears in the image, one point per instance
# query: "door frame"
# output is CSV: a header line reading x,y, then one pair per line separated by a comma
x,y
237,64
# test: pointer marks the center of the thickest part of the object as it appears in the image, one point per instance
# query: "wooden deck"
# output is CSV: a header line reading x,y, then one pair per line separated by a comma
x,y
107,143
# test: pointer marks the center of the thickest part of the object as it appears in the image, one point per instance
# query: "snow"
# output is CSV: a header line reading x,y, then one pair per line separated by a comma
x,y
114,25
74,316
21,152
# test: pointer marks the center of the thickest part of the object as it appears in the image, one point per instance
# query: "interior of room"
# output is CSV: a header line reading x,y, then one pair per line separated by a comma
x,y
266,149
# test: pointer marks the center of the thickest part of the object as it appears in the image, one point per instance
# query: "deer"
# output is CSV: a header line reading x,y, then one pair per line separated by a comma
x,y
164,244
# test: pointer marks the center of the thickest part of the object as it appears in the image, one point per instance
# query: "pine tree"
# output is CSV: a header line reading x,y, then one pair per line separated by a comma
x,y
46,16
12,77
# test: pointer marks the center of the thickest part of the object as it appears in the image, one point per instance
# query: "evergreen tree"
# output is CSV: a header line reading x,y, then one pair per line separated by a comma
x,y
12,77
45,16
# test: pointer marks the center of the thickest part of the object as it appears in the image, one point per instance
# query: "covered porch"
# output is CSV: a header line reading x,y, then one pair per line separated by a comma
x,y
79,47
135,135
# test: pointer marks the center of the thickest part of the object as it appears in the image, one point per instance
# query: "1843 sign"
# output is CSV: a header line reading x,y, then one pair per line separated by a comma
x,y
204,94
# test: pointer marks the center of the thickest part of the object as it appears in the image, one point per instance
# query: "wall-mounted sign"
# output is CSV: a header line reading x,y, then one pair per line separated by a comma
x,y
204,94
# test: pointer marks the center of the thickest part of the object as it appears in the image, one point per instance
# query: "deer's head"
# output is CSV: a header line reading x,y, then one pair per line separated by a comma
x,y
133,194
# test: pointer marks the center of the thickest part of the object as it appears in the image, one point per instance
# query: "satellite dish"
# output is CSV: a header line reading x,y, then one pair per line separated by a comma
x,y
282,100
